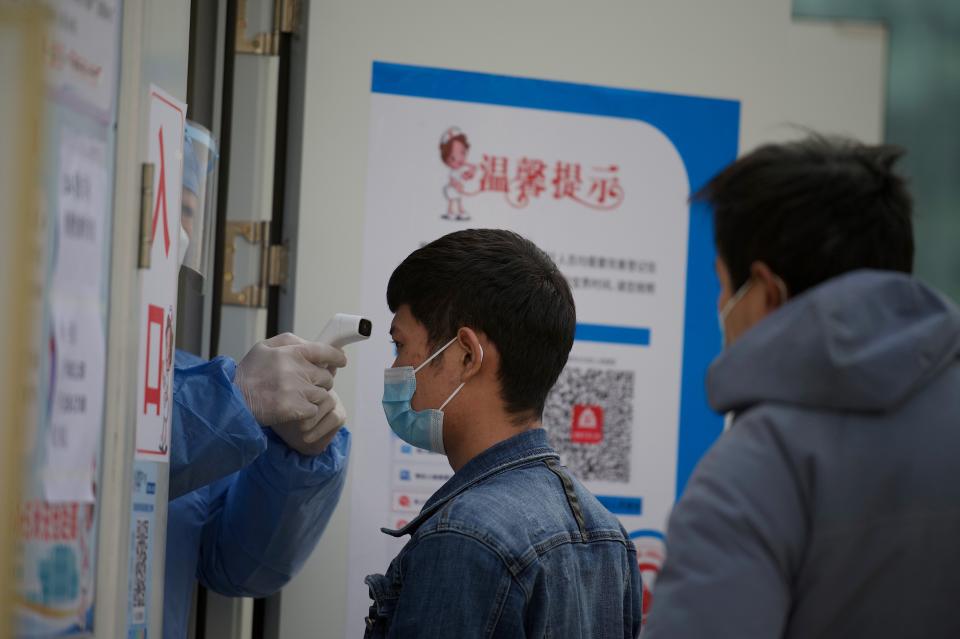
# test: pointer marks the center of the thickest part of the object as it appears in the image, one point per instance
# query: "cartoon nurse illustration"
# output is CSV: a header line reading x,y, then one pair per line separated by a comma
x,y
453,151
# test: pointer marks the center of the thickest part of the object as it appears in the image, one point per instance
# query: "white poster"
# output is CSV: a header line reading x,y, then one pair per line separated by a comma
x,y
600,179
158,289
78,354
81,52
77,349
83,199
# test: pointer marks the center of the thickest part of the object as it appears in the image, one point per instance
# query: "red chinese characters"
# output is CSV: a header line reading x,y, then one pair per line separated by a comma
x,y
151,391
493,174
597,187
529,182
160,208
605,188
524,180
566,180
49,522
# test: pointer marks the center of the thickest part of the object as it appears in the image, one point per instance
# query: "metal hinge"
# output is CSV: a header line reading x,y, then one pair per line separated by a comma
x,y
286,19
146,214
273,264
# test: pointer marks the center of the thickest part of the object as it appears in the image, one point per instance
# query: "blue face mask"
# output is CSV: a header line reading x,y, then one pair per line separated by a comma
x,y
424,428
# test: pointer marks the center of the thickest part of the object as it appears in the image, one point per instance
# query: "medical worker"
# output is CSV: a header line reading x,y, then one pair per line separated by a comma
x,y
258,452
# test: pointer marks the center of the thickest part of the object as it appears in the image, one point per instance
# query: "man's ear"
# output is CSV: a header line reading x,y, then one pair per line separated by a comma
x,y
471,354
774,290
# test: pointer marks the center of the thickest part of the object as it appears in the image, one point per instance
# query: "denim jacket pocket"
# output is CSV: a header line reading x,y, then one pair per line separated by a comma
x,y
385,594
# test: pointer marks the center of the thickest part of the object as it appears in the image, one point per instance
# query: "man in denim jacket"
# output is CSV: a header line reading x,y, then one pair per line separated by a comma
x,y
511,546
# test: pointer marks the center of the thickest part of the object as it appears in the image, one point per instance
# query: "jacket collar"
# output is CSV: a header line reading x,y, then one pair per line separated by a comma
x,y
529,446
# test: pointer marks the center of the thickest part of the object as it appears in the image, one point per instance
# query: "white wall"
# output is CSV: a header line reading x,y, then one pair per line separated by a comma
x,y
817,75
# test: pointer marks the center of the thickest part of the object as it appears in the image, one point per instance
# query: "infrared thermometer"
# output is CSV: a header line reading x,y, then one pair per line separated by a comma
x,y
343,329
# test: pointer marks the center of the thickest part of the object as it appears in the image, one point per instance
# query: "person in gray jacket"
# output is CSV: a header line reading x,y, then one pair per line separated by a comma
x,y
831,506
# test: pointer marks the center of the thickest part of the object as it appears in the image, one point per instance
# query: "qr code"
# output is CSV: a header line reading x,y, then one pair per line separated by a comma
x,y
589,418
141,537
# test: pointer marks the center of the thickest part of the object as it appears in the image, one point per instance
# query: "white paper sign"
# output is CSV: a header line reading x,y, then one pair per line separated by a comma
x,y
77,349
82,52
83,197
77,353
158,289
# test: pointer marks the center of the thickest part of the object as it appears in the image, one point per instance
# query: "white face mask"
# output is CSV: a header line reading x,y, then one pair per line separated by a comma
x,y
722,318
725,311
183,246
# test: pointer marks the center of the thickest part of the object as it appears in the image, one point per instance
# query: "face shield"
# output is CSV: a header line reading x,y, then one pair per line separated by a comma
x,y
198,204
197,224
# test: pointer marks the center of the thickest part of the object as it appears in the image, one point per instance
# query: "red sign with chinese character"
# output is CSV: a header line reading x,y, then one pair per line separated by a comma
x,y
158,286
587,427
523,180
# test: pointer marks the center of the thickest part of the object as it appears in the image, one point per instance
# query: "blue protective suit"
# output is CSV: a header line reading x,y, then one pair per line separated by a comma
x,y
245,509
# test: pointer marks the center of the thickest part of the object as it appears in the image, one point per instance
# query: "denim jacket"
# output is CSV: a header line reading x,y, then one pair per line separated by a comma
x,y
511,546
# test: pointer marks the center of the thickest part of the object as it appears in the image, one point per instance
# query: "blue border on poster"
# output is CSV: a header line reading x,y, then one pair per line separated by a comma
x,y
705,132
626,335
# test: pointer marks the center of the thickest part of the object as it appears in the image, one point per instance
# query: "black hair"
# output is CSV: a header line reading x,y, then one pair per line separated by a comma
x,y
498,283
811,210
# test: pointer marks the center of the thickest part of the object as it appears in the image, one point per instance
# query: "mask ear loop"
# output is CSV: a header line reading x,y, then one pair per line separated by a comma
x,y
733,301
435,355
784,293
460,387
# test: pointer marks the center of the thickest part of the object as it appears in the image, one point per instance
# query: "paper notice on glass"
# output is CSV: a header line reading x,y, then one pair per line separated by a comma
x,y
77,353
82,52
158,284
82,212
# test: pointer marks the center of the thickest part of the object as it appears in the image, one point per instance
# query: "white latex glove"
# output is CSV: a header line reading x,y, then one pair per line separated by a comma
x,y
311,436
286,378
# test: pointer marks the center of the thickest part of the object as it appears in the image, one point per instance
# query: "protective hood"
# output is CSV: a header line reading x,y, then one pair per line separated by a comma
x,y
863,342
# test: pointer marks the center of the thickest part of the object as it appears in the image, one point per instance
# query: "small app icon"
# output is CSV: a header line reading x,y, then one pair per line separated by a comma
x,y
587,427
